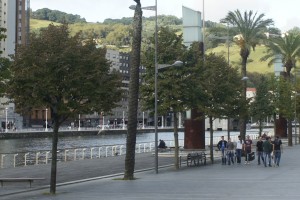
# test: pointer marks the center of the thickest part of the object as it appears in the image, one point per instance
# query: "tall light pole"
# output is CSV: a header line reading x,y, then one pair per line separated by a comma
x,y
46,122
6,130
79,122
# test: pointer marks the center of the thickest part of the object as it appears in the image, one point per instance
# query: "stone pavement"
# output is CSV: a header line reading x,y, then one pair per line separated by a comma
x,y
205,182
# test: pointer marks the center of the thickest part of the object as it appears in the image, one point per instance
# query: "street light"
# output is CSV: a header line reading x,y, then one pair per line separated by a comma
x,y
46,122
6,130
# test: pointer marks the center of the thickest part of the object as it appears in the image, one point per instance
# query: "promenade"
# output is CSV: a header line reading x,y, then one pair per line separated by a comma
x,y
205,182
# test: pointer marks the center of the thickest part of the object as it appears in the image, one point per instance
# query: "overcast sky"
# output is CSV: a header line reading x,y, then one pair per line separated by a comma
x,y
284,13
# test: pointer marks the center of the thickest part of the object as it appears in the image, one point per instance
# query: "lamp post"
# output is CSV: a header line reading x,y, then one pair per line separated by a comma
x,y
46,122
79,122
6,130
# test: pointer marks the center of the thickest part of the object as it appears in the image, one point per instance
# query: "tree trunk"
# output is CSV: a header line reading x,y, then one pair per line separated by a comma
x,y
211,131
133,93
176,141
290,136
54,158
243,119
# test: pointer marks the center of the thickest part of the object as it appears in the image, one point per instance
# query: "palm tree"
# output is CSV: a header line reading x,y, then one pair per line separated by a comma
x,y
133,92
288,47
250,28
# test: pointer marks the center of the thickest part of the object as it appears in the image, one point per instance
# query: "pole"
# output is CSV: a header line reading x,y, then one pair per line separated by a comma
x,y
6,120
123,120
103,123
143,120
79,122
155,92
46,129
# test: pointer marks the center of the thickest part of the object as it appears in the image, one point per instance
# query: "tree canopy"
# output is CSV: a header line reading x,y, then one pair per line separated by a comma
x,y
65,75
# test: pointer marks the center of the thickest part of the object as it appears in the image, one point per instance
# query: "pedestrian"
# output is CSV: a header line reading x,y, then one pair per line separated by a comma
x,y
267,147
277,150
230,151
247,149
222,144
259,150
162,144
239,148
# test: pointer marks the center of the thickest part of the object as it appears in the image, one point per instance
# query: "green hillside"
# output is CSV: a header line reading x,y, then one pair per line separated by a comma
x,y
254,63
36,24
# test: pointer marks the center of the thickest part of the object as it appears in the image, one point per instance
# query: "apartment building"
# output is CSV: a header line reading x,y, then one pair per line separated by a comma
x,y
14,17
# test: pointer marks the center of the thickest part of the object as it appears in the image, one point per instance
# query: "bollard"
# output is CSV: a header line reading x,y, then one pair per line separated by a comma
x,y
83,150
92,152
47,155
145,148
37,158
66,151
25,159
15,155
2,160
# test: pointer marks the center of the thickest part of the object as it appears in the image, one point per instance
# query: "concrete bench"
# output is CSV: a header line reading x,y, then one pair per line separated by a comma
x,y
30,180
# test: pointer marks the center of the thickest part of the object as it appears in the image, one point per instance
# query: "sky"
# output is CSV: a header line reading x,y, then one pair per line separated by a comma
x,y
284,13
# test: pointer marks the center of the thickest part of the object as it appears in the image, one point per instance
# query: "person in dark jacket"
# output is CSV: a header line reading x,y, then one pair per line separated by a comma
x,y
222,144
259,150
277,149
162,144
268,148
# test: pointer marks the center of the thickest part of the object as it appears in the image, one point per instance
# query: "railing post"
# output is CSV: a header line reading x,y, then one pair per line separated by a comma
x,y
75,151
121,149
15,155
106,152
2,160
100,148
66,151
25,159
92,152
83,150
37,158
47,155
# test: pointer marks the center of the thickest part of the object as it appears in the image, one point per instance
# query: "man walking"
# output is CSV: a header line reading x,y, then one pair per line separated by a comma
x,y
239,148
259,150
222,144
267,147
247,149
277,149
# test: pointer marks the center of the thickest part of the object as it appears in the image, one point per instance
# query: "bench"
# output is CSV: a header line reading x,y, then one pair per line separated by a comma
x,y
195,159
30,180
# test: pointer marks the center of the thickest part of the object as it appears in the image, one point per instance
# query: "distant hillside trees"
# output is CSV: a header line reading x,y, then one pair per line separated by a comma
x,y
56,16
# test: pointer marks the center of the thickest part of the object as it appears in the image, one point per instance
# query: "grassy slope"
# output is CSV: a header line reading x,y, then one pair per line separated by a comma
x,y
254,63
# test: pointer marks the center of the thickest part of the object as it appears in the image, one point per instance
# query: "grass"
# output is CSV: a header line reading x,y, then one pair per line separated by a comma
x,y
36,24
254,64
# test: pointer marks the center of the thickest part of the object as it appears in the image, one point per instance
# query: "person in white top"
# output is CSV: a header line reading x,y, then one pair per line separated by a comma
x,y
239,147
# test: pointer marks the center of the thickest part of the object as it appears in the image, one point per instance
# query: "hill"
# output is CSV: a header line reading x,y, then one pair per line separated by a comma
x,y
254,63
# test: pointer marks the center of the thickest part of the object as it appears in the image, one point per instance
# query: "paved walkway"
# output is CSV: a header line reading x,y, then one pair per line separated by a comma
x,y
205,182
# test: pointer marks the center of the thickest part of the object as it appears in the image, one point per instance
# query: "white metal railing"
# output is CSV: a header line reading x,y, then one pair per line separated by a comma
x,y
64,155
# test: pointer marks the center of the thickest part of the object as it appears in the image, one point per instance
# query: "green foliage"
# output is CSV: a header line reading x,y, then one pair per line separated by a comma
x,y
59,72
262,106
56,16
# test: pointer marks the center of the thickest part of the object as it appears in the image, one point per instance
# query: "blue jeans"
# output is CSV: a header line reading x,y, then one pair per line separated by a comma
x,y
260,155
230,155
267,154
277,156
238,155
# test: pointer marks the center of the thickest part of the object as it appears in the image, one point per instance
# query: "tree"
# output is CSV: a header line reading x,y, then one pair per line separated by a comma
x,y
262,106
218,92
68,77
133,92
171,80
288,48
251,27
